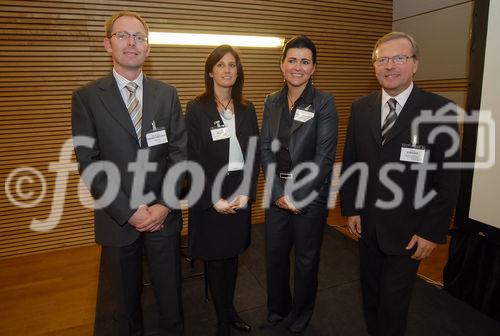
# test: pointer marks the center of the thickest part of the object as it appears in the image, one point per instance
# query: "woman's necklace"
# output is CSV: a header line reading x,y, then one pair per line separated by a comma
x,y
226,113
291,103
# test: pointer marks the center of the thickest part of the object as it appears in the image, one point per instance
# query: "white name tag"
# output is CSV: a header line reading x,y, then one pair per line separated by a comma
x,y
412,153
303,115
156,137
219,133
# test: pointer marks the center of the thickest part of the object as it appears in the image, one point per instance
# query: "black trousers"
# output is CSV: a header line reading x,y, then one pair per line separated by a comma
x,y
123,278
387,283
221,275
304,233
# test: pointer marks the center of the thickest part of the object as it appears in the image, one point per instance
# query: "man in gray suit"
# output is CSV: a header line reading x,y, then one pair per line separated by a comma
x,y
134,133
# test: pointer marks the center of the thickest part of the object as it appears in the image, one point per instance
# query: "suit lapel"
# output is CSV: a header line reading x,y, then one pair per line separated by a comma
x,y
212,112
295,125
306,100
275,117
150,105
113,101
238,117
214,116
374,115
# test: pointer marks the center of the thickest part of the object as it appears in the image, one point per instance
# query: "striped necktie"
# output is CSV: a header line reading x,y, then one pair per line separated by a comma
x,y
390,119
134,108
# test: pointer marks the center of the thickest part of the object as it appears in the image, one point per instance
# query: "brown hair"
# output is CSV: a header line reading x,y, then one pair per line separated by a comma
x,y
212,59
108,26
394,36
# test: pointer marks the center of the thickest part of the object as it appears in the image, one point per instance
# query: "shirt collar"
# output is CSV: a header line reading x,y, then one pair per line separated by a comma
x,y
306,97
122,81
400,98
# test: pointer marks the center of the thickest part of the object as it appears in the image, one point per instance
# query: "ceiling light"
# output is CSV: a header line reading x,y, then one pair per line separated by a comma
x,y
215,40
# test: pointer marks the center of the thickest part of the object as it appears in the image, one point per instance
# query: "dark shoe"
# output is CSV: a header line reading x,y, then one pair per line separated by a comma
x,y
274,319
241,325
296,329
223,329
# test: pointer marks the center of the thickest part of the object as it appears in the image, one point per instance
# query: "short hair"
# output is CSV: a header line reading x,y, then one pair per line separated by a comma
x,y
108,26
300,41
215,56
395,36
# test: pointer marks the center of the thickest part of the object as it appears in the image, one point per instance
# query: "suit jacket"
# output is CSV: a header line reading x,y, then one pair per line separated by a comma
x,y
98,112
201,116
394,227
312,141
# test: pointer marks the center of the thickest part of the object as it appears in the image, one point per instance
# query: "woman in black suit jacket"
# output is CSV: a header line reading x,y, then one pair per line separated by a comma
x,y
222,138
299,127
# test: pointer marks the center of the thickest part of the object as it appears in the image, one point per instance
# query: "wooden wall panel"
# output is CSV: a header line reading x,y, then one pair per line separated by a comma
x,y
49,48
449,85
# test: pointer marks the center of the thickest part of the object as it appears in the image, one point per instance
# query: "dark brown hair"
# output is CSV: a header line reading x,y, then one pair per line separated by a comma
x,y
237,90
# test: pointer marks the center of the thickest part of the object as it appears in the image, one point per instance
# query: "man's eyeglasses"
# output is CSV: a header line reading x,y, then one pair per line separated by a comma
x,y
398,59
124,36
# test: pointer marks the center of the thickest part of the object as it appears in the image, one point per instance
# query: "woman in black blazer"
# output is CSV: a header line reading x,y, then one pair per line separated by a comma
x,y
299,127
222,138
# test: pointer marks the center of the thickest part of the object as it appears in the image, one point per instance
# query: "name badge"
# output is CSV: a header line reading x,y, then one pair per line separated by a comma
x,y
156,137
412,153
220,133
303,115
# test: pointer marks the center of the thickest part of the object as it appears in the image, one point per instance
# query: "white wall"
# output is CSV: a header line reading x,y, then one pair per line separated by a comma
x,y
442,30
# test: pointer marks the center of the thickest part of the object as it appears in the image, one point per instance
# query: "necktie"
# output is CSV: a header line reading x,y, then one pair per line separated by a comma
x,y
390,119
134,108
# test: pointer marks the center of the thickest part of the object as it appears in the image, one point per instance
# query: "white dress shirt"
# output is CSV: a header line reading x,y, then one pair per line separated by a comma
x,y
236,160
401,101
122,82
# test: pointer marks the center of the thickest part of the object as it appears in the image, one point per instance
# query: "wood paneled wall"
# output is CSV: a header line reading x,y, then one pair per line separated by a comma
x,y
448,85
49,48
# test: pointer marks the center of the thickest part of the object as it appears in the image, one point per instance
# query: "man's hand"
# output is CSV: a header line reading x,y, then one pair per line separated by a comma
x,y
157,215
354,225
240,202
424,247
286,204
223,207
149,219
139,217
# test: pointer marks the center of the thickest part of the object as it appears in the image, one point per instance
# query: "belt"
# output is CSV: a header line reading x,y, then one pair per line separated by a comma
x,y
234,172
286,176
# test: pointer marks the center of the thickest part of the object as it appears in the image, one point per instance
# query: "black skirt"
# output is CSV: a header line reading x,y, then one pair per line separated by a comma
x,y
215,236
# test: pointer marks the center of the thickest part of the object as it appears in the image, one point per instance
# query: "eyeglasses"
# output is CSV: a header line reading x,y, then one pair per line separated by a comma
x,y
122,36
398,59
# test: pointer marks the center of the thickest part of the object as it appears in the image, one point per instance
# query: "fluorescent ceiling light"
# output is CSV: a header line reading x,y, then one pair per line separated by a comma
x,y
215,40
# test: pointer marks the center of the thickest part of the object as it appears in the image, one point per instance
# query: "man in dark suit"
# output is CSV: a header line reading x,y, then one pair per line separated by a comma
x,y
136,134
397,225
